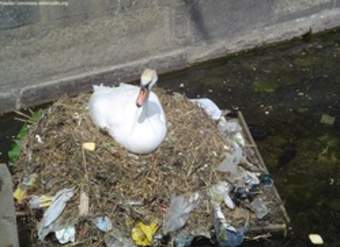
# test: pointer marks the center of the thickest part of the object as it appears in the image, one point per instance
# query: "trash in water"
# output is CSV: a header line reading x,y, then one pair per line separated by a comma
x,y
66,235
183,240
179,212
220,193
90,146
20,193
259,208
40,201
116,239
225,234
231,160
84,204
142,234
316,239
327,119
53,212
103,223
212,110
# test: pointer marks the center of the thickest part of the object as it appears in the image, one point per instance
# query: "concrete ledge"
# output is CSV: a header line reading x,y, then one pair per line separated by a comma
x,y
8,229
46,53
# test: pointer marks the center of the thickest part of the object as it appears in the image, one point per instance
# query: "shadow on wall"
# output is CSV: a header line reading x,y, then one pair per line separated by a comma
x,y
197,18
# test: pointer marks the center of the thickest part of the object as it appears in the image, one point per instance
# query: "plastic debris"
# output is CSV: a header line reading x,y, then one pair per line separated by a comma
x,y
210,108
266,180
225,234
259,208
142,234
116,239
84,204
20,194
39,139
327,119
231,160
90,146
66,235
229,127
40,201
220,193
316,239
103,223
179,212
53,212
183,240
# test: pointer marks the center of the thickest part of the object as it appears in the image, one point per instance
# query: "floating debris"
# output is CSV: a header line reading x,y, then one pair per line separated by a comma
x,y
327,119
316,239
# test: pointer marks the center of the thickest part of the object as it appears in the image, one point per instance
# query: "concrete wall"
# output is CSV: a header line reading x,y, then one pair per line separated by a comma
x,y
46,51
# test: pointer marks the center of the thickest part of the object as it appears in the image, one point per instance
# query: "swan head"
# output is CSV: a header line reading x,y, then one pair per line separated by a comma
x,y
147,81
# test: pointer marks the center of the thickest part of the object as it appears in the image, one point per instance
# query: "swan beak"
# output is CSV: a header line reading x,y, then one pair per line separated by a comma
x,y
142,96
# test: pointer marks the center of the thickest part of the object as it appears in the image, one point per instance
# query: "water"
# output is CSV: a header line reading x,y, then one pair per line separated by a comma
x,y
283,91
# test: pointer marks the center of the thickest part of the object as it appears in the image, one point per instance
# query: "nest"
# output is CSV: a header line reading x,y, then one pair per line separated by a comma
x,y
114,179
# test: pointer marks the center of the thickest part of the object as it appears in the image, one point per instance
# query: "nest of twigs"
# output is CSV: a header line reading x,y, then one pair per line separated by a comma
x,y
113,178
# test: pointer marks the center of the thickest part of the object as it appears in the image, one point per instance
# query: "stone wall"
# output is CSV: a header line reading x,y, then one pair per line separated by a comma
x,y
46,51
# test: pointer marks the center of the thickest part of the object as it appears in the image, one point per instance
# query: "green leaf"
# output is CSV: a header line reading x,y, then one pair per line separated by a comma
x,y
14,153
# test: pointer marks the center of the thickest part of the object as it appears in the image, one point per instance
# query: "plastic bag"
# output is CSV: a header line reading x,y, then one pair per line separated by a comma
x,y
210,108
179,212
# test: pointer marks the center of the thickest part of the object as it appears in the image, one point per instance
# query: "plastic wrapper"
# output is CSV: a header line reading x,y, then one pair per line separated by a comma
x,y
54,211
142,234
40,201
103,223
179,212
220,193
66,235
210,108
225,234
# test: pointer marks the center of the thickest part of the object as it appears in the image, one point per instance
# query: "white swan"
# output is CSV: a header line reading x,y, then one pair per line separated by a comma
x,y
132,115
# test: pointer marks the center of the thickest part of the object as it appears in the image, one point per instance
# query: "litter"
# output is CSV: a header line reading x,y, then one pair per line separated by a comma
x,y
327,119
183,240
316,239
90,146
220,193
260,209
116,239
230,127
211,109
231,160
179,212
103,223
66,235
40,201
142,234
20,194
84,204
53,212
266,180
225,234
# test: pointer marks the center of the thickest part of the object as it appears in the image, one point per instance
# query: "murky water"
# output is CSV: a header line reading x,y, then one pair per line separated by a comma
x,y
283,91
